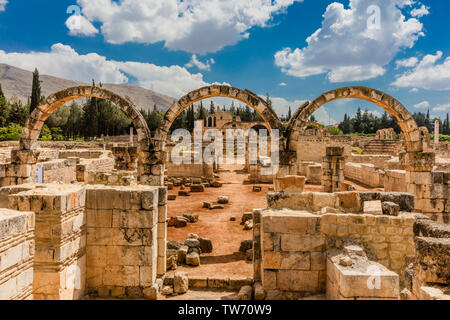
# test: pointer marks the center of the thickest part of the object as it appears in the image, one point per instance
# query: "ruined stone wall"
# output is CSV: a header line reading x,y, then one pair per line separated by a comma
x,y
189,170
60,239
122,243
312,148
389,240
366,174
292,254
395,181
16,254
379,161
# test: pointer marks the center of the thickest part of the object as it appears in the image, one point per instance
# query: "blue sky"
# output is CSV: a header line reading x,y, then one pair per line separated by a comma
x,y
294,50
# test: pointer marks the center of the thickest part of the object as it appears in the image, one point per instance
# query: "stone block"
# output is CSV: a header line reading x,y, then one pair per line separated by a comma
x,y
373,207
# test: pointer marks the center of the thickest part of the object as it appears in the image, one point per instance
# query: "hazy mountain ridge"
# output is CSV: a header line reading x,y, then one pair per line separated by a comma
x,y
17,82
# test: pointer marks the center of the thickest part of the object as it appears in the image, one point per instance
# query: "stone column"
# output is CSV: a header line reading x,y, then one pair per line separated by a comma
x,y
419,180
162,231
131,136
436,134
257,244
333,169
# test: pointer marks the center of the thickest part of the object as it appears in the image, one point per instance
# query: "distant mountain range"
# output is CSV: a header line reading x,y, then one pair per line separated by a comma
x,y
17,82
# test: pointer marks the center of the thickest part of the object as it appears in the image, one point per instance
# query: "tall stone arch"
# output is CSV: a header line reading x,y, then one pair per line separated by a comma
x,y
246,96
34,123
417,162
383,100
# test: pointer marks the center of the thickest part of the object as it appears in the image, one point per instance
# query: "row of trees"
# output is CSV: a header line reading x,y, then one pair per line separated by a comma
x,y
368,123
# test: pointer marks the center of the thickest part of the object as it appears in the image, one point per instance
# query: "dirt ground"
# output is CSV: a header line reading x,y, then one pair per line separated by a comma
x,y
226,235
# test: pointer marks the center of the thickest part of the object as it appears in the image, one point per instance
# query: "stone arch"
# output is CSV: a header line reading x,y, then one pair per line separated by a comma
x,y
246,96
34,123
383,100
320,128
425,137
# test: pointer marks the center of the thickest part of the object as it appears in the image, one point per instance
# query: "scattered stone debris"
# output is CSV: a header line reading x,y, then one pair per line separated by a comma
x,y
174,245
233,218
171,197
171,260
193,259
177,222
167,290
192,217
192,236
216,184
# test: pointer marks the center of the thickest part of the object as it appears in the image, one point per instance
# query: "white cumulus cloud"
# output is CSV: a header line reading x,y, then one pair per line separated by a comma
x,y
197,26
407,63
420,12
194,62
422,105
63,61
429,74
3,4
348,46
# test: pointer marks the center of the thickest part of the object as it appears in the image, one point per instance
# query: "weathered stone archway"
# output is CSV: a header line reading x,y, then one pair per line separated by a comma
x,y
34,123
251,99
383,100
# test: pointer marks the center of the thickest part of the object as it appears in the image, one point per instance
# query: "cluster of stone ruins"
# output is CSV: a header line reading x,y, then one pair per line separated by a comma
x,y
80,219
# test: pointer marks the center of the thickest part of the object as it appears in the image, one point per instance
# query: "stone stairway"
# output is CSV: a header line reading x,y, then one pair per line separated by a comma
x,y
390,147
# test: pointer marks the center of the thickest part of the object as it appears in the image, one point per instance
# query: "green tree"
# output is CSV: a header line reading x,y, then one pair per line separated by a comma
x,y
4,109
289,115
212,108
35,91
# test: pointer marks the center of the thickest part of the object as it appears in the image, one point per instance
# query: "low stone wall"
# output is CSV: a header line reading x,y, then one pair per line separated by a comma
x,y
395,181
84,154
59,171
292,254
189,170
122,242
364,173
16,254
60,238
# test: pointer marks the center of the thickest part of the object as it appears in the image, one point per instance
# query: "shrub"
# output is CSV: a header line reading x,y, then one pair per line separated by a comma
x,y
11,132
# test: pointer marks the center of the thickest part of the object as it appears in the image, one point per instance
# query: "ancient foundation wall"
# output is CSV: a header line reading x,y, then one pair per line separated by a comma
x,y
60,239
122,242
16,254
314,148
189,170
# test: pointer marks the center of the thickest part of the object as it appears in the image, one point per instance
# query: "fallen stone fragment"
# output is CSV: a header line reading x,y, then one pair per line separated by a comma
x,y
205,245
183,193
177,222
223,200
245,245
171,197
181,254
390,208
233,218
180,282
192,243
248,225
167,291
193,259
206,205
151,293
192,236
216,206
345,261
246,216
192,217
216,184
171,262
174,245
197,188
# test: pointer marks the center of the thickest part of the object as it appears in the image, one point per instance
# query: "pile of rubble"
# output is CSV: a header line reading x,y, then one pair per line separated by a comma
x,y
219,204
182,221
187,253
